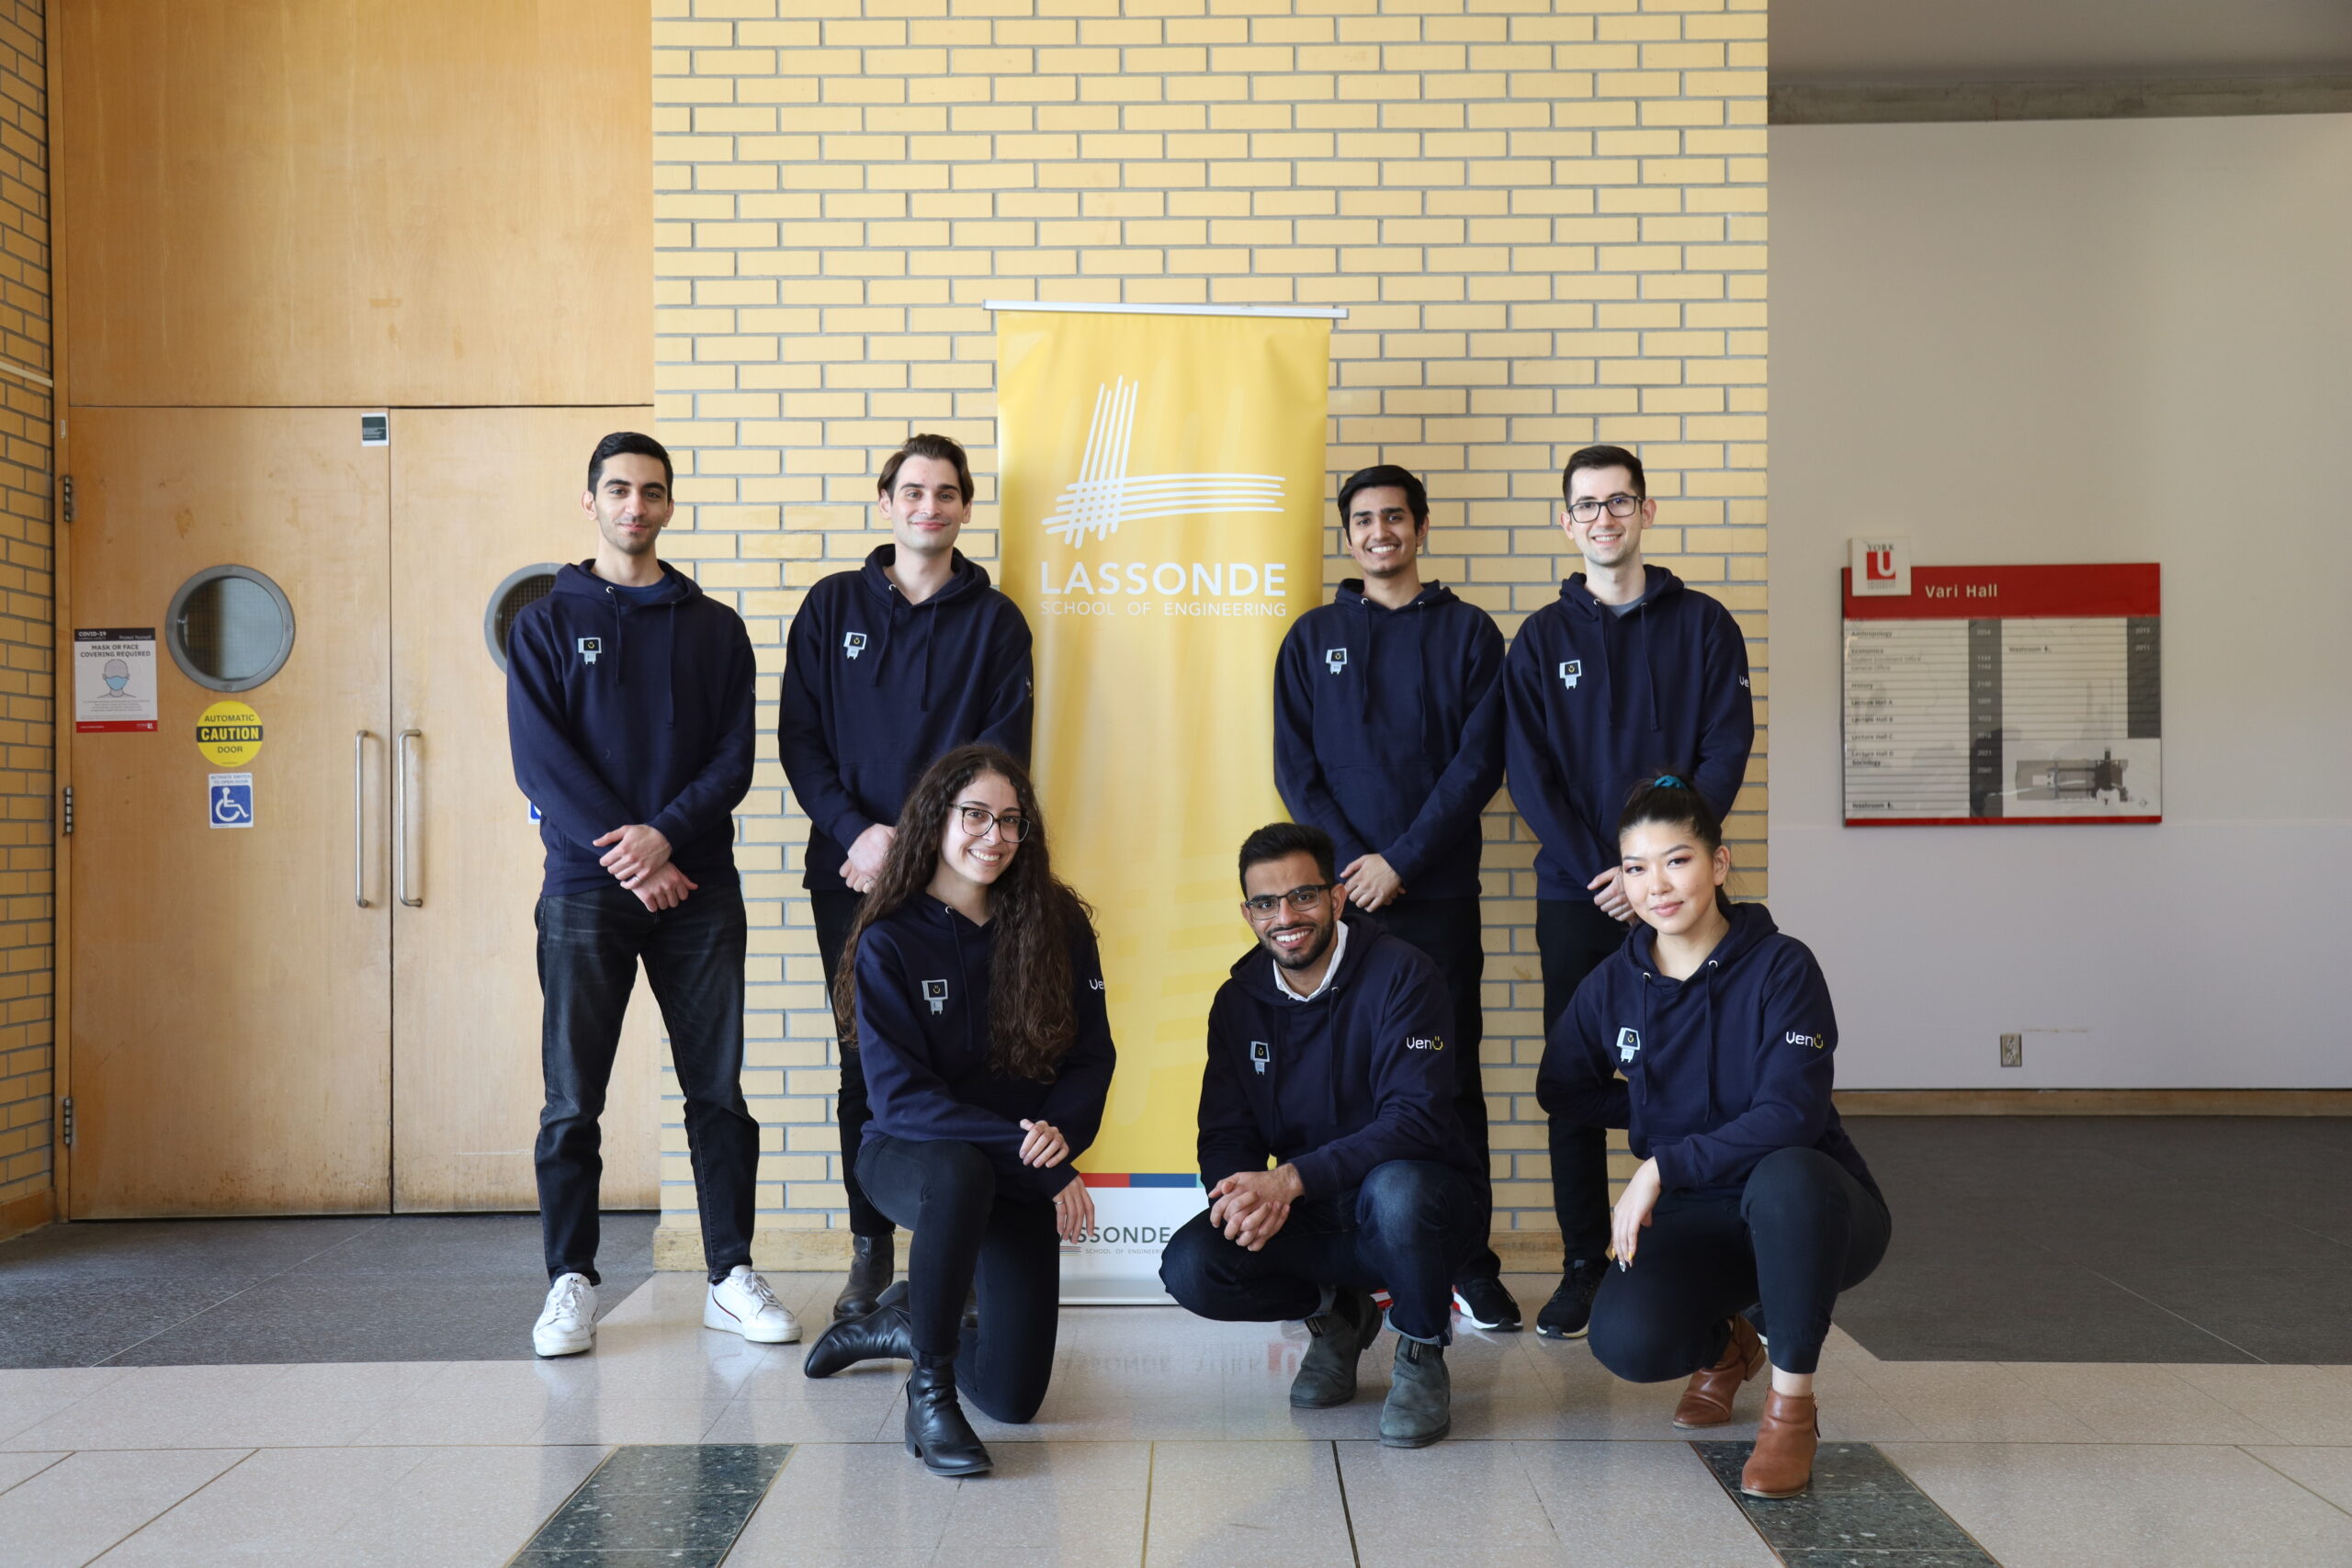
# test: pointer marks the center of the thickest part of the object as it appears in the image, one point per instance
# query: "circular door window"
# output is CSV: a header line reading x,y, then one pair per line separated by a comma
x,y
521,590
229,628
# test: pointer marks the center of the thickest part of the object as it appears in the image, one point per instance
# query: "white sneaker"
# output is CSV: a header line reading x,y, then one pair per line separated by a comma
x,y
742,1303
567,1323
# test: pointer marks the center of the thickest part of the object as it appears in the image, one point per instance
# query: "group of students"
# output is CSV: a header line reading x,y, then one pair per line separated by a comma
x,y
1343,1137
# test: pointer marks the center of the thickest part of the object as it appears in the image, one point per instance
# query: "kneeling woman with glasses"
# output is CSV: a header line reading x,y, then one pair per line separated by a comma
x,y
1749,1193
973,990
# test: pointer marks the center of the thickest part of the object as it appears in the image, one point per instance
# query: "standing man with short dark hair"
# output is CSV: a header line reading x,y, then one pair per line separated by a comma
x,y
1388,736
628,706
1627,674
886,669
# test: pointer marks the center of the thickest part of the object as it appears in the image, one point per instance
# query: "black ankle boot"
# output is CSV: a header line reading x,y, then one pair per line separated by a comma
x,y
937,1433
880,1334
872,1261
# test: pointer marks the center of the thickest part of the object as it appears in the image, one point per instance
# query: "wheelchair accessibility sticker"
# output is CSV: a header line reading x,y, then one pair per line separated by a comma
x,y
229,799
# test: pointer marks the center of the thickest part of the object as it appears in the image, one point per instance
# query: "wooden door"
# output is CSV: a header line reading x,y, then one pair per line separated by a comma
x,y
477,495
232,995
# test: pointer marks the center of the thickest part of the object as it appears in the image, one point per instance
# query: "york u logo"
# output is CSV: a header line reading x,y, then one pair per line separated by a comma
x,y
936,993
1335,659
1629,1045
1425,1043
853,644
1793,1038
1571,670
590,647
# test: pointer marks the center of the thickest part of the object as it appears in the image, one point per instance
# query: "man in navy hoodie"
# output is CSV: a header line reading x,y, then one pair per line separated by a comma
x,y
1327,1060
1627,674
628,706
887,667
1389,736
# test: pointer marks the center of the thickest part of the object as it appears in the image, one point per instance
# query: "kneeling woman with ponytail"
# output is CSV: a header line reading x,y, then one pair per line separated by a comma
x,y
1750,1192
973,988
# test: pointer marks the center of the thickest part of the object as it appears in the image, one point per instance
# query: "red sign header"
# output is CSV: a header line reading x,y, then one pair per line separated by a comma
x,y
2013,592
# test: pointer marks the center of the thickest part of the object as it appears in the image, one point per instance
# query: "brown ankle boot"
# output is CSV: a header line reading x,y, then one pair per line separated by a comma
x,y
1782,1465
1707,1402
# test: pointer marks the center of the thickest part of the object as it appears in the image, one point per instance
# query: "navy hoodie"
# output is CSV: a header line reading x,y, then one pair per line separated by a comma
x,y
1720,1069
1388,733
625,708
923,1032
875,690
1355,1079
1595,703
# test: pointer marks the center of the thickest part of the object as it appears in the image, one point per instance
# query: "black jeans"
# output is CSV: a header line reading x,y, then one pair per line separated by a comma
x,y
834,910
1572,936
1801,1231
590,945
1409,1228
1447,931
969,1235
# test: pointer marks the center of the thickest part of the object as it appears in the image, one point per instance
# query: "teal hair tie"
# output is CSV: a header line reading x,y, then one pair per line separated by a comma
x,y
1668,781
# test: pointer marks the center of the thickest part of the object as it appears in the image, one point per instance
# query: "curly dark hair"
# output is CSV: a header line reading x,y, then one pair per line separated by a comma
x,y
1033,1021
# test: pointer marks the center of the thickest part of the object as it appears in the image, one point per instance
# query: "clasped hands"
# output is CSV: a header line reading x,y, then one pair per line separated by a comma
x,y
640,860
1249,1206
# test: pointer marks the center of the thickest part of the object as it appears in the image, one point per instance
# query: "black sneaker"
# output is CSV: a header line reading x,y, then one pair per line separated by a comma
x,y
1485,1303
1569,1312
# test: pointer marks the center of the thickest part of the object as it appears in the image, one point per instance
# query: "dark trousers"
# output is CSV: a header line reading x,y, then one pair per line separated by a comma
x,y
835,910
1801,1231
590,946
1572,936
1409,1228
970,1236
1447,931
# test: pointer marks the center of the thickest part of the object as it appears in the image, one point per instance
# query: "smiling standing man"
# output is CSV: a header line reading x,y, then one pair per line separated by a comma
x,y
1625,675
1388,736
885,669
628,706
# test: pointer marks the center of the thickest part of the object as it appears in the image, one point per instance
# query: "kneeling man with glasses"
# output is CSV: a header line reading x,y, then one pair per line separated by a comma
x,y
1327,1062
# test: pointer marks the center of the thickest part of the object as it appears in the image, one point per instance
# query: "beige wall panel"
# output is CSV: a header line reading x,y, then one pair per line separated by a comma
x,y
358,201
231,1001
478,494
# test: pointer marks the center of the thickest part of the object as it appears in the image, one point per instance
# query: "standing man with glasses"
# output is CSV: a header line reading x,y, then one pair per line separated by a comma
x,y
1627,674
1327,1060
628,705
885,669
1389,736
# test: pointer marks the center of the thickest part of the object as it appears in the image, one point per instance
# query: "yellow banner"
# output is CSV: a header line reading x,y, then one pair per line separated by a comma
x,y
1161,498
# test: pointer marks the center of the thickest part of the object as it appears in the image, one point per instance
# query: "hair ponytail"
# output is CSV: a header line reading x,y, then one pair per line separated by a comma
x,y
1669,801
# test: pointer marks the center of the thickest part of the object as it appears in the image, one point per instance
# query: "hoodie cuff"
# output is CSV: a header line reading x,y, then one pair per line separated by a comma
x,y
1672,1170
1316,1174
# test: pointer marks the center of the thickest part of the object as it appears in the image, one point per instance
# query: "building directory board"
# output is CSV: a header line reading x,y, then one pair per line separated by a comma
x,y
2004,695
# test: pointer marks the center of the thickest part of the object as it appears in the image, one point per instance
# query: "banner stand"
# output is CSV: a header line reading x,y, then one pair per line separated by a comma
x,y
1160,497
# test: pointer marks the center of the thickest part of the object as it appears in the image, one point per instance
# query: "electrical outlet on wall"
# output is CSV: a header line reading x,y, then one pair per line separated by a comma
x,y
2013,1050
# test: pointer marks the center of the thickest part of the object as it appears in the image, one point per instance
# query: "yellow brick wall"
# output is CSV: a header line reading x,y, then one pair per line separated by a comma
x,y
1546,220
28,621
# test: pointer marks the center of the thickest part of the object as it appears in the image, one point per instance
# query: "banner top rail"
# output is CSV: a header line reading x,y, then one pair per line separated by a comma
x,y
1324,312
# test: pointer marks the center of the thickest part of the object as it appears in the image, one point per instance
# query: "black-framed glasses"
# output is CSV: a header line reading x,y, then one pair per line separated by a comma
x,y
1589,509
1300,899
978,820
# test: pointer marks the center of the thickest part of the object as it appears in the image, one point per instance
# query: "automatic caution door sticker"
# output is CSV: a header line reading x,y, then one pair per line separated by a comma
x,y
229,733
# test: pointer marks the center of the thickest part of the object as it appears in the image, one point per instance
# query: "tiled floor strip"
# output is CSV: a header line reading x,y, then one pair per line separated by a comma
x,y
681,1505
1860,1511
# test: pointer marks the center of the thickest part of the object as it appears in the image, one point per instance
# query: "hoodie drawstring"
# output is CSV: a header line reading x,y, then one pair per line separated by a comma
x,y
672,657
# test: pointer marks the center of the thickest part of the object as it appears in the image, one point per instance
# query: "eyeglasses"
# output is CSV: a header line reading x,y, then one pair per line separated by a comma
x,y
1299,898
1620,505
978,820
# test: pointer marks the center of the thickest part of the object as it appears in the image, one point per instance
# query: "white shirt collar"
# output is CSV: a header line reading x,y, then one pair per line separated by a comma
x,y
1339,950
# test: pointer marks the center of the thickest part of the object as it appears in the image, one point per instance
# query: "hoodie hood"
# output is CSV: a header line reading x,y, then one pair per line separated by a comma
x,y
903,623
674,589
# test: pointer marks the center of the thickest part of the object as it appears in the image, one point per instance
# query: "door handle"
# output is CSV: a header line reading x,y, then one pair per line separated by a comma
x,y
400,817
359,818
